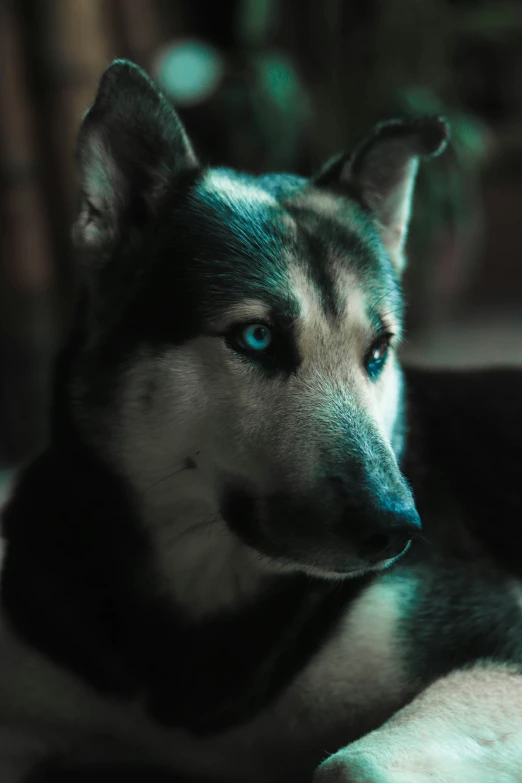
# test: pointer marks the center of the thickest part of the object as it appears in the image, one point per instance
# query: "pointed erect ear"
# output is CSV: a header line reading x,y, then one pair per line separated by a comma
x,y
382,171
131,148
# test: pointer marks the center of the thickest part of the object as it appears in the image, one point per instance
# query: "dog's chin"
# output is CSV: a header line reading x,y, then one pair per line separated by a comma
x,y
323,572
321,568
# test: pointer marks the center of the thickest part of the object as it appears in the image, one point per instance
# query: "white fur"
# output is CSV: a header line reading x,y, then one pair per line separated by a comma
x,y
235,190
466,727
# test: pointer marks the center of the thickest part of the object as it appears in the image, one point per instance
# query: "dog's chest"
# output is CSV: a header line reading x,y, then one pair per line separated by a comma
x,y
354,683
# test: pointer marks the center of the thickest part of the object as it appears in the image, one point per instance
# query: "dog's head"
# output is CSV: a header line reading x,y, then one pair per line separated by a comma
x,y
239,363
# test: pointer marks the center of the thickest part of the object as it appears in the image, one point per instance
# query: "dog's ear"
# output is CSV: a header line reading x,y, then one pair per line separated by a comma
x,y
381,174
131,149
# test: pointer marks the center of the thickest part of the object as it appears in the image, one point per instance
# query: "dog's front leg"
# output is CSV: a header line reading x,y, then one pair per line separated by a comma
x,y
464,728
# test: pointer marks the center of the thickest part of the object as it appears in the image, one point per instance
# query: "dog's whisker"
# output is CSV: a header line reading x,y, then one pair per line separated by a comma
x,y
207,522
167,476
425,539
176,535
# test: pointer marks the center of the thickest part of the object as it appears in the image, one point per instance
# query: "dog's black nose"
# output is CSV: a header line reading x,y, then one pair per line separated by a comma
x,y
389,535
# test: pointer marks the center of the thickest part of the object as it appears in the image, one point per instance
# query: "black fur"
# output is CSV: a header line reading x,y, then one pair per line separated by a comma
x,y
171,251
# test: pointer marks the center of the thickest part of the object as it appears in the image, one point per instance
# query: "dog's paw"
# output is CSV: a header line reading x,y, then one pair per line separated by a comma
x,y
464,728
351,767
405,759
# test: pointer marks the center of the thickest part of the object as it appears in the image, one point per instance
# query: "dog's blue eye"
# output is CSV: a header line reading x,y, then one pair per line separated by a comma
x,y
256,337
376,357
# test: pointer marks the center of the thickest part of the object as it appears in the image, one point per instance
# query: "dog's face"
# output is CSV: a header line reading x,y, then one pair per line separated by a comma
x,y
240,348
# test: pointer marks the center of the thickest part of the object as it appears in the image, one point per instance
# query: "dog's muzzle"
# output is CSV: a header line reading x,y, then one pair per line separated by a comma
x,y
331,536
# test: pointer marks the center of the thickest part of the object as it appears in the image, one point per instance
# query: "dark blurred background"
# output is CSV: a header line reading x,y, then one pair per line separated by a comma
x,y
269,84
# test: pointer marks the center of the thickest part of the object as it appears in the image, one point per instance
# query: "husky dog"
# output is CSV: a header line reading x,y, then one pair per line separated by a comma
x,y
216,571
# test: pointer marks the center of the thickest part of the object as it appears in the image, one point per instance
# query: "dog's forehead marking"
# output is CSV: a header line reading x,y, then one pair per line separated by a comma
x,y
344,250
321,202
233,190
315,327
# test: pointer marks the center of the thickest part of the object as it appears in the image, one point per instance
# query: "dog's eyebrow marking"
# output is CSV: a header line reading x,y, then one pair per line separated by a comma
x,y
247,310
376,320
389,315
304,291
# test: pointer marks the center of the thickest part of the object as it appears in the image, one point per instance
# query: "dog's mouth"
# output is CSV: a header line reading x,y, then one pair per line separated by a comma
x,y
377,566
297,538
341,565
